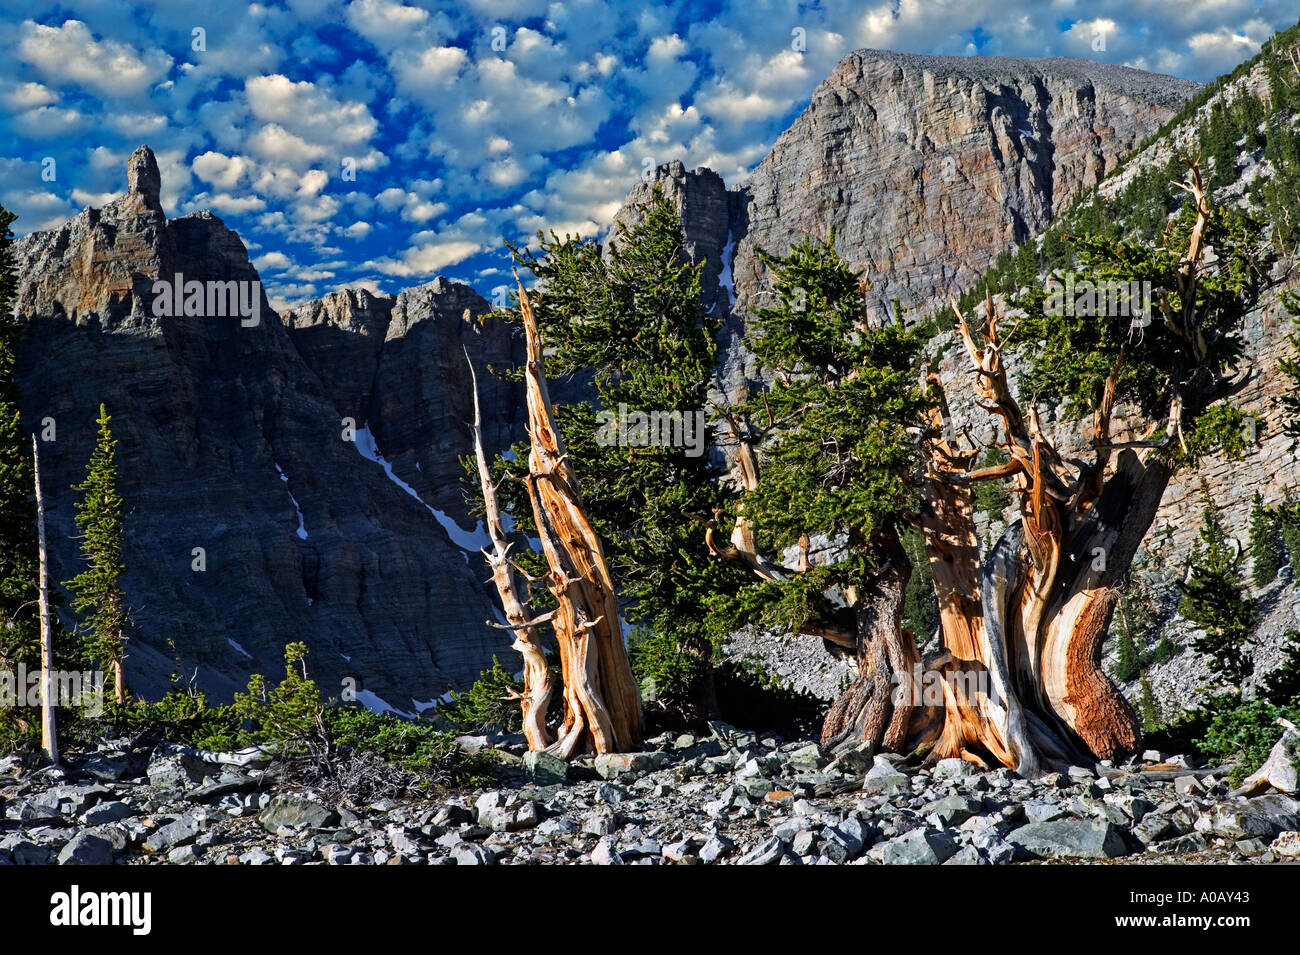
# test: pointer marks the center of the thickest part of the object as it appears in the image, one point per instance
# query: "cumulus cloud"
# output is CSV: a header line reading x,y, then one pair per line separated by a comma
x,y
70,53
358,122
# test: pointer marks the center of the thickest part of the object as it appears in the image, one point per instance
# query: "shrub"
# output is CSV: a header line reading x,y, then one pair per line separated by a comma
x,y
1215,599
1149,707
182,716
491,703
414,746
290,715
670,677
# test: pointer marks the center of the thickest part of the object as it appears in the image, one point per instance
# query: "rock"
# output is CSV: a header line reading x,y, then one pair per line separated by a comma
x,y
511,818
86,849
1287,844
545,769
854,762
1189,786
768,853
176,771
605,853
106,767
336,854
26,852
921,846
1154,829
804,843
1152,756
953,768
967,855
953,810
1263,816
807,757
715,848
292,811
182,855
1279,771
71,800
1069,839
993,848
114,811
176,833
883,779
1192,842
1040,811
627,766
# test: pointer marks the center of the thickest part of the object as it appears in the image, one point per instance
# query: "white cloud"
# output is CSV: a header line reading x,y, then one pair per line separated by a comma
x,y
272,262
70,53
219,170
20,96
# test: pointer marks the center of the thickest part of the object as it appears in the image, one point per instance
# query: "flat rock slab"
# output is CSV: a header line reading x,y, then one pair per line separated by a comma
x,y
1069,839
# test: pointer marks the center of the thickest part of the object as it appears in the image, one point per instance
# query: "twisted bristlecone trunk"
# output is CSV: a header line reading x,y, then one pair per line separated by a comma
x,y
1018,681
602,704
512,588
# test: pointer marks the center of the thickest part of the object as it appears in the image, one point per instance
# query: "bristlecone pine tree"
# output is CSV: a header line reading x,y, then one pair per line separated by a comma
x,y
1215,599
602,706
98,597
628,314
1022,627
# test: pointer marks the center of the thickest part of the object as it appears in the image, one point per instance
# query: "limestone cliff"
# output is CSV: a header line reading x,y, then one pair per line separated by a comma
x,y
233,439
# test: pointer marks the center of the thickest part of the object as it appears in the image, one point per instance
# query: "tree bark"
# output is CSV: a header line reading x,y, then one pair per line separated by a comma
x,y
877,709
513,591
49,732
602,701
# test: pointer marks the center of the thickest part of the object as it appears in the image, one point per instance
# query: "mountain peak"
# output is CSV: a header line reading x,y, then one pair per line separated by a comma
x,y
143,180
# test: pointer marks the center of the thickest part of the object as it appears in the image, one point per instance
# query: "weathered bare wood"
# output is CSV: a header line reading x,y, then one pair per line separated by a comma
x,y
49,732
536,695
602,702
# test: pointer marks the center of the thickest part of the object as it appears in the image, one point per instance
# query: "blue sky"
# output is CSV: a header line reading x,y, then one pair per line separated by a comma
x,y
465,123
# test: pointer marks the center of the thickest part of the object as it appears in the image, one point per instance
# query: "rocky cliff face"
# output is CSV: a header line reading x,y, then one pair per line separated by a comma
x,y
233,439
924,167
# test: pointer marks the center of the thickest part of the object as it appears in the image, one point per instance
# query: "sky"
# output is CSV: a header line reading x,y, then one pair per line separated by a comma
x,y
379,144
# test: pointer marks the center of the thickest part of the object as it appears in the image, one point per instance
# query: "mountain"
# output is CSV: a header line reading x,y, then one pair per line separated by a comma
x,y
232,440
925,168
233,431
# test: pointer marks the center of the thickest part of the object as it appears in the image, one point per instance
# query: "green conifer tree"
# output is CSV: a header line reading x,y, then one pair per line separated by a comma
x,y
1263,543
1215,599
19,614
99,599
1149,706
629,317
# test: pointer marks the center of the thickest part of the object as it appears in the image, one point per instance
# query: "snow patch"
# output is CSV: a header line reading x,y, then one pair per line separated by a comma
x,y
465,540
302,526
725,279
420,706
232,642
377,704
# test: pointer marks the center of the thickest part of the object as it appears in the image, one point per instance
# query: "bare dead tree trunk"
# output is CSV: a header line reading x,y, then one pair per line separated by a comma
x,y
536,696
602,701
49,732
